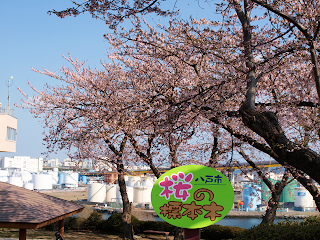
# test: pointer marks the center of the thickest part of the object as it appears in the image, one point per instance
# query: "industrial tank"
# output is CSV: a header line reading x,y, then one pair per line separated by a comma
x,y
42,181
55,177
118,194
142,194
25,176
28,185
146,182
265,194
17,181
70,179
303,199
4,175
287,194
61,177
251,196
96,192
111,193
83,179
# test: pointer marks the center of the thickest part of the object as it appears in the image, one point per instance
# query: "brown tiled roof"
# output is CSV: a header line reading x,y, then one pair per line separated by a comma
x,y
24,208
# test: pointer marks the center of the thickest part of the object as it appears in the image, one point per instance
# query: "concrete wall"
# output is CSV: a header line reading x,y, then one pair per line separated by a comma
x,y
5,122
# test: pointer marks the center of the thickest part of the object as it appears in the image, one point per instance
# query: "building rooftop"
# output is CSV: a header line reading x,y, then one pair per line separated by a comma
x,y
23,208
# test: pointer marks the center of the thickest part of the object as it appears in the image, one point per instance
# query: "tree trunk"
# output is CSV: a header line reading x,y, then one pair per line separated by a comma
x,y
271,211
276,190
178,233
126,215
266,125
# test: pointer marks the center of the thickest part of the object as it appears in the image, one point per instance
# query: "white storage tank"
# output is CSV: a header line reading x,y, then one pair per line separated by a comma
x,y
137,195
130,193
55,177
130,181
96,192
25,176
146,194
28,185
17,181
303,199
4,179
118,194
142,194
111,192
146,182
4,174
42,181
71,179
133,181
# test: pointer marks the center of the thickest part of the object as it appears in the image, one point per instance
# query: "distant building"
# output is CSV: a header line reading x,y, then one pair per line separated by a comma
x,y
53,163
24,163
77,164
8,130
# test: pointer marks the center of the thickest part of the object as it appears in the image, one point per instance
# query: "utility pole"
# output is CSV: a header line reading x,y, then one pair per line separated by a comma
x,y
9,94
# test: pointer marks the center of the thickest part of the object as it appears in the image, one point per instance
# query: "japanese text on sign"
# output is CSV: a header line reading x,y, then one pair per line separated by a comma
x,y
173,208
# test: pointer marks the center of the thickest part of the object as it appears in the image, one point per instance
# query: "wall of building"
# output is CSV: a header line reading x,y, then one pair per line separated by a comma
x,y
8,124
24,163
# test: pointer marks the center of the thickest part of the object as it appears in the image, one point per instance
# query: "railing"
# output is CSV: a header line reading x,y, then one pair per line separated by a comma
x,y
5,111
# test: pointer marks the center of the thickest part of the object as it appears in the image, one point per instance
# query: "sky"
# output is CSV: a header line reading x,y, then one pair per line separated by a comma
x,y
30,37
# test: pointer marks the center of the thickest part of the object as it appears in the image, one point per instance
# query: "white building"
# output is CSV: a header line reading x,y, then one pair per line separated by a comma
x,y
24,163
69,163
53,162
78,164
8,130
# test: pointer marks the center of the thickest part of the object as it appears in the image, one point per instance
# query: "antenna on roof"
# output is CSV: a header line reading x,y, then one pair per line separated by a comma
x,y
9,93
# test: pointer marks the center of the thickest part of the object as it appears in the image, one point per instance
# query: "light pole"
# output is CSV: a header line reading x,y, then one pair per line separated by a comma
x,y
9,94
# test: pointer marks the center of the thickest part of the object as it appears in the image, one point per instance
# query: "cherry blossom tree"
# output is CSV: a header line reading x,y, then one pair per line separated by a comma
x,y
268,60
83,114
254,74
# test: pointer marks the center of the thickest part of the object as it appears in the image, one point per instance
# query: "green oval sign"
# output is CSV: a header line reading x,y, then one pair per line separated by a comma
x,y
192,196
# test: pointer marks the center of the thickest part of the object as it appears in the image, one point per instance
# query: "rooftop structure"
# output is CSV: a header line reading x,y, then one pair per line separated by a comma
x,y
25,209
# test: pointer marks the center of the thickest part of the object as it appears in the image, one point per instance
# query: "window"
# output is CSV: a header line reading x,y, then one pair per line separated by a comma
x,y
11,134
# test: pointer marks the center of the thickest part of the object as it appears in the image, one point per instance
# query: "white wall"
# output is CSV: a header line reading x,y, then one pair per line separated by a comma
x,y
24,163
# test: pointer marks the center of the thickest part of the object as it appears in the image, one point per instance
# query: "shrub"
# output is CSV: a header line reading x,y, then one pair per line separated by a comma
x,y
92,222
74,223
311,220
291,230
114,223
157,226
220,232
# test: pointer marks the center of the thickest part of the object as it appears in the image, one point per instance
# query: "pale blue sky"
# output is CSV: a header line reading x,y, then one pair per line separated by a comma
x,y
32,38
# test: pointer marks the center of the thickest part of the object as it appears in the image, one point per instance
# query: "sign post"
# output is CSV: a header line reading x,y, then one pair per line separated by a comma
x,y
192,197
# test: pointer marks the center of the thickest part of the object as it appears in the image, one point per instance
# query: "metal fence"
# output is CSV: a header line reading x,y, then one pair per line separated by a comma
x,y
4,110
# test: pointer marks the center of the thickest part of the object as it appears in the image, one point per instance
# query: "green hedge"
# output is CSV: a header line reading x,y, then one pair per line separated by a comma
x,y
291,230
113,225
156,226
220,232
